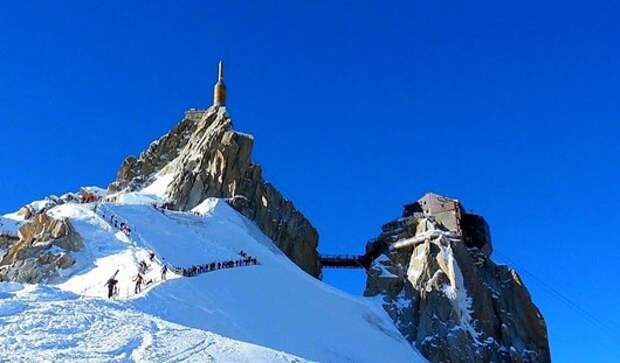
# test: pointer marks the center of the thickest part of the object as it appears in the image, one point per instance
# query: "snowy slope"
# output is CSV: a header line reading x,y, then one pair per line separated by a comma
x,y
273,304
44,324
8,226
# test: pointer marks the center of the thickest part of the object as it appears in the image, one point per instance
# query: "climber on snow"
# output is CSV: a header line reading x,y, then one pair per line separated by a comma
x,y
138,279
163,272
143,267
111,284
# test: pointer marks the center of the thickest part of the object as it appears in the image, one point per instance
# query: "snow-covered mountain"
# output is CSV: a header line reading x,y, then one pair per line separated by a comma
x,y
271,311
243,280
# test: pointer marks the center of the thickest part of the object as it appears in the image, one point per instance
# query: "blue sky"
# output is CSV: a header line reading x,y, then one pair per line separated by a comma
x,y
357,108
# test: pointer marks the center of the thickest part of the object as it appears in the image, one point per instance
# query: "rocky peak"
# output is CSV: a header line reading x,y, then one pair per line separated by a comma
x,y
135,172
42,247
203,156
433,273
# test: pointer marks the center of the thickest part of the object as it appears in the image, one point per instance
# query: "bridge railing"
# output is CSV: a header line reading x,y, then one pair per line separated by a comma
x,y
344,261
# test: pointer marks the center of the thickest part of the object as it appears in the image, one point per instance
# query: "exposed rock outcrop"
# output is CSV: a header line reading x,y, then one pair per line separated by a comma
x,y
433,272
6,241
134,172
204,157
43,246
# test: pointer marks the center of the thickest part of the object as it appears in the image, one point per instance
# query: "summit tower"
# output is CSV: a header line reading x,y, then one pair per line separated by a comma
x,y
219,90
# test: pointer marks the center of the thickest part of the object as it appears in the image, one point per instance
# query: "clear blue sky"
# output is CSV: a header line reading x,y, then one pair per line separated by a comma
x,y
357,108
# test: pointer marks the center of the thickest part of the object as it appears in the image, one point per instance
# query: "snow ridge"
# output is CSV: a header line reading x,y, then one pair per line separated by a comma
x,y
274,304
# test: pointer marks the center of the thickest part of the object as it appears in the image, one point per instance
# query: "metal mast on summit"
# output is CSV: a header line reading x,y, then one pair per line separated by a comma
x,y
219,90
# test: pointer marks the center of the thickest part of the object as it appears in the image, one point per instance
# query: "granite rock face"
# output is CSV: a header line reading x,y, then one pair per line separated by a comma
x,y
204,157
42,247
433,272
134,172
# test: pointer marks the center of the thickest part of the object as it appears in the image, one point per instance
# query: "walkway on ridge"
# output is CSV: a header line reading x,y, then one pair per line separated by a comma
x,y
346,261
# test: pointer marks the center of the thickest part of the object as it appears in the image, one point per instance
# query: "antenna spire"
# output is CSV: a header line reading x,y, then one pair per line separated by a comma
x,y
219,90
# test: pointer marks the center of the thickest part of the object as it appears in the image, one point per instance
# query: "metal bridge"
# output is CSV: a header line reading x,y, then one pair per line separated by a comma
x,y
345,261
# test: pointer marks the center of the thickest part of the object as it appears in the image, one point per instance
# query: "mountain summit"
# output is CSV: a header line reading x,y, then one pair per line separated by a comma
x,y
204,157
433,272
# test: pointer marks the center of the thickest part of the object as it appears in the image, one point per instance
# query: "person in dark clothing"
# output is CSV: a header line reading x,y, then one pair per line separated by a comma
x,y
152,256
163,272
143,267
111,284
138,279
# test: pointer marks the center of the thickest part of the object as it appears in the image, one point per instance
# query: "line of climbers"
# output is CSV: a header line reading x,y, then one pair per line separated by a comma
x,y
115,222
162,207
168,206
214,266
144,267
124,227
